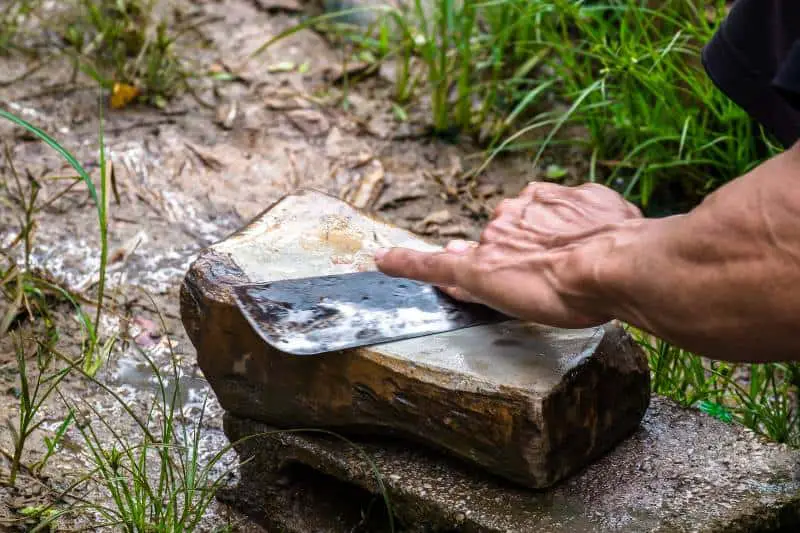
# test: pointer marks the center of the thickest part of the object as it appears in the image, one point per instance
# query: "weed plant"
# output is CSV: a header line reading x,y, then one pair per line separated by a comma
x,y
93,350
656,123
656,127
29,297
156,482
123,45
34,390
763,397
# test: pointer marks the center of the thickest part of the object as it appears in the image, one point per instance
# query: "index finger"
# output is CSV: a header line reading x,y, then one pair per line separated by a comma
x,y
438,268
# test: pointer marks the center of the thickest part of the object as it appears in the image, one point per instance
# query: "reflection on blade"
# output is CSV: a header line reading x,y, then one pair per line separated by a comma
x,y
328,313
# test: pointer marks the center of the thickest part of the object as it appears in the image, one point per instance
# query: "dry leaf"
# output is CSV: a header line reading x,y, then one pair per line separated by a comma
x,y
402,192
310,122
283,98
121,254
122,94
349,151
226,115
207,159
369,187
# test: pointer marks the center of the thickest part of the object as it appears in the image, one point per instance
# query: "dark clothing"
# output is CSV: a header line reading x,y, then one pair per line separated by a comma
x,y
755,60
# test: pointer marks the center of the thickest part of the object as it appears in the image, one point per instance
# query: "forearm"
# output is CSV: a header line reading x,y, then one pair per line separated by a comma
x,y
724,280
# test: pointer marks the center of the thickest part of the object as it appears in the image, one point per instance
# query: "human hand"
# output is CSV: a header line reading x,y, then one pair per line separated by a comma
x,y
535,259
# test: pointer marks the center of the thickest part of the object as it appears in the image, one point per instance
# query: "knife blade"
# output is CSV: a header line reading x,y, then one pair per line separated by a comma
x,y
309,316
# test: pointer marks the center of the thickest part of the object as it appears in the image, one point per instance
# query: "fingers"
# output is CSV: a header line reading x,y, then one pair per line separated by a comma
x,y
438,268
504,230
459,294
459,246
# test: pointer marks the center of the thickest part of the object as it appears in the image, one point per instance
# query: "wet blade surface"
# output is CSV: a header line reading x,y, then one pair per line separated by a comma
x,y
328,313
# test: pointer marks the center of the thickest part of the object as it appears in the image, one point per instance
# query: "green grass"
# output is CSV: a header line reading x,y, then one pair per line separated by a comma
x,y
656,123
630,77
122,42
157,482
33,391
154,484
763,397
93,349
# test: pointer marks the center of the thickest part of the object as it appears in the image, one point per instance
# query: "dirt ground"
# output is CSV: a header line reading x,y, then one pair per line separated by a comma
x,y
188,175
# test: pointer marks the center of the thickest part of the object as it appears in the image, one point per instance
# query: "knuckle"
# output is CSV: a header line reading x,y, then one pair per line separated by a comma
x,y
531,188
492,232
589,186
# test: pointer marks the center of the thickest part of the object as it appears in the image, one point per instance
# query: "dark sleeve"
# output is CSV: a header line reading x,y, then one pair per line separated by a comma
x,y
754,58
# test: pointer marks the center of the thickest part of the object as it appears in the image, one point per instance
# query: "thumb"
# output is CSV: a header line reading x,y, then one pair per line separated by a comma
x,y
438,268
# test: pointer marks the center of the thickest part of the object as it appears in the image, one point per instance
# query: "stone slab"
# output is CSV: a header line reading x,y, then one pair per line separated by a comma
x,y
530,403
681,471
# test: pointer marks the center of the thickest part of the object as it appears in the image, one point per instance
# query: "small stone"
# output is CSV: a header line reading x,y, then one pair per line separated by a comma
x,y
388,71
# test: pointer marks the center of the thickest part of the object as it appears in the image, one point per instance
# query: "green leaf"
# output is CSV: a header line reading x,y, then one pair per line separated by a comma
x,y
399,113
716,410
555,172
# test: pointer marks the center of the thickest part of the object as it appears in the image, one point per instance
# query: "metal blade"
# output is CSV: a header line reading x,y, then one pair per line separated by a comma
x,y
323,314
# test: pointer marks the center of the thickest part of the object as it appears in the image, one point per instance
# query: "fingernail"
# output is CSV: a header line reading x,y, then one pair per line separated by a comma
x,y
380,253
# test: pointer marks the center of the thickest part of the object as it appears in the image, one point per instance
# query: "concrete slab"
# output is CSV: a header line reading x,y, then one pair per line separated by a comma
x,y
529,403
681,471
